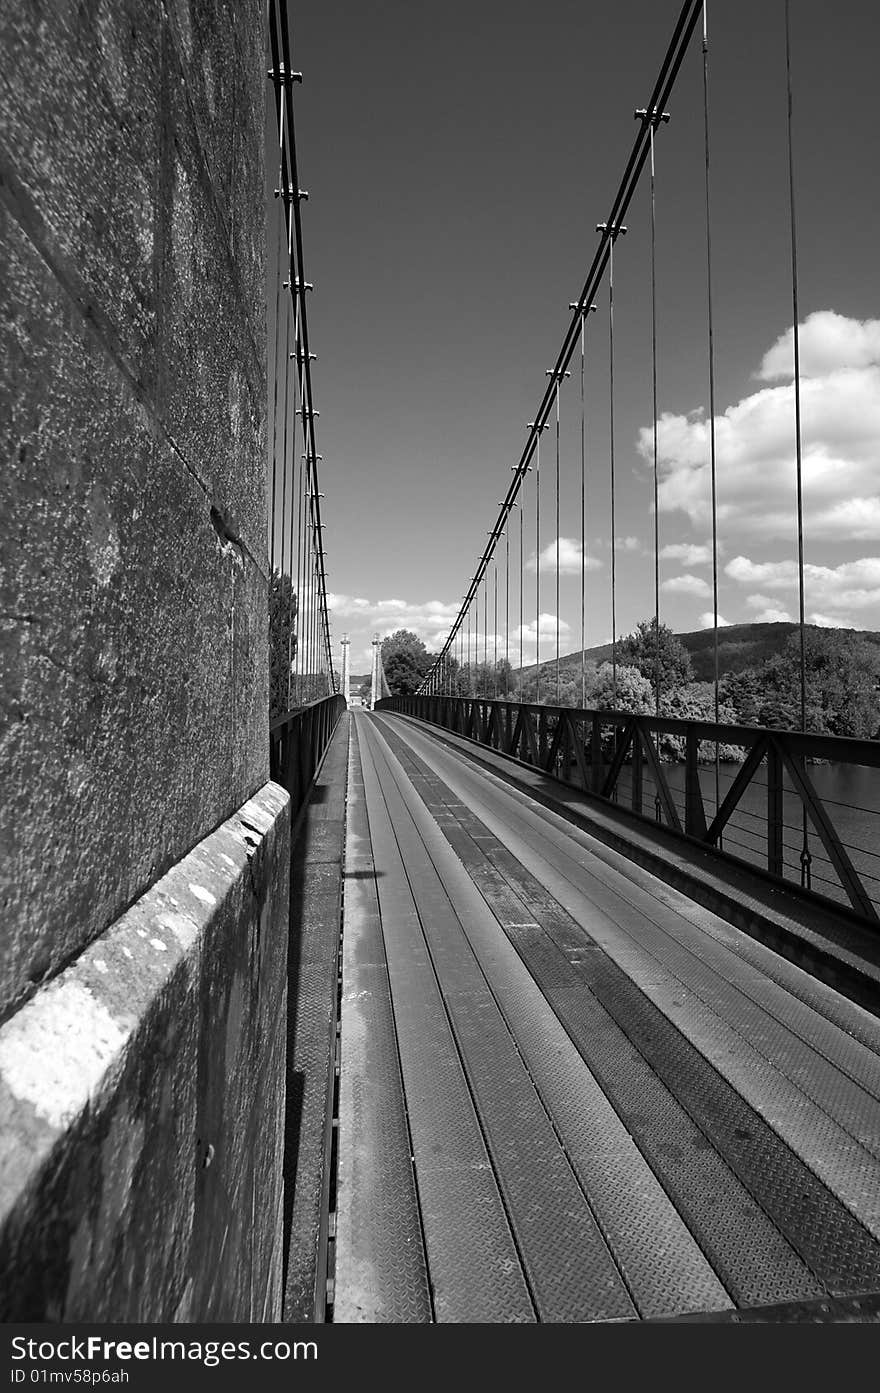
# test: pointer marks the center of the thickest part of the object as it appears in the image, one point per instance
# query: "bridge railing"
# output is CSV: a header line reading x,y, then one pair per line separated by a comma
x,y
803,808
297,742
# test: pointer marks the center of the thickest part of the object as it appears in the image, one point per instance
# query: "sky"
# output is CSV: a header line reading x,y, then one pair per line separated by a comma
x,y
458,158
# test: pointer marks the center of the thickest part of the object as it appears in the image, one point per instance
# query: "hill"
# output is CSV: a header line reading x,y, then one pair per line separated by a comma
x,y
740,646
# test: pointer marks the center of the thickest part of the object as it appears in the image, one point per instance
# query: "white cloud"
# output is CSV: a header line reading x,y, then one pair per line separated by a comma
x,y
772,616
626,543
686,585
433,615
755,442
345,605
548,627
548,630
362,618
837,591
687,553
569,558
853,582
826,341
707,621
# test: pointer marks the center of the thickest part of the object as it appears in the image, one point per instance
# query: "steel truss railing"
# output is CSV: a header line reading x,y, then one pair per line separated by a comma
x,y
628,760
297,743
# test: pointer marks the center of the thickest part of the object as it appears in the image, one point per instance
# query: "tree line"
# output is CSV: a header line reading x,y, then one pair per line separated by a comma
x,y
842,681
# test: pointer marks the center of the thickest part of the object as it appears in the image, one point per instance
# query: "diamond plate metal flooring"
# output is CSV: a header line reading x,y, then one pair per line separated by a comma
x,y
567,1093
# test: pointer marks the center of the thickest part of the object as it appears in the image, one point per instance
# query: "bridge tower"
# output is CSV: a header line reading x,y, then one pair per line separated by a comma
x,y
374,676
346,681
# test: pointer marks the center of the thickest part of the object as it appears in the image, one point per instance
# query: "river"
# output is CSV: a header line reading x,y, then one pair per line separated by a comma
x,y
850,795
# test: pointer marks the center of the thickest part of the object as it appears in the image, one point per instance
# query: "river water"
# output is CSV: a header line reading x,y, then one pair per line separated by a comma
x,y
850,795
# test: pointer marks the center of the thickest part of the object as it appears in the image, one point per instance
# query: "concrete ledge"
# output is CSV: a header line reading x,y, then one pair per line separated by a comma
x,y
142,1096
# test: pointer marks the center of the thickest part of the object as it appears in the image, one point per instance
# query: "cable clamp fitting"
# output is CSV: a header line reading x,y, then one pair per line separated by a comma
x,y
283,76
655,118
607,227
584,309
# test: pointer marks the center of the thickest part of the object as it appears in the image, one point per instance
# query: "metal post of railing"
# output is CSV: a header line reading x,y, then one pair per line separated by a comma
x,y
637,763
775,809
596,753
694,814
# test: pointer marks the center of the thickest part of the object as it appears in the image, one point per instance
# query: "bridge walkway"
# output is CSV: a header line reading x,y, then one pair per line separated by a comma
x,y
567,1092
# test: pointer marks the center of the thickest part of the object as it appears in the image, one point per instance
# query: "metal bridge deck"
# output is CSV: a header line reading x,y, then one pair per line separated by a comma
x,y
568,1093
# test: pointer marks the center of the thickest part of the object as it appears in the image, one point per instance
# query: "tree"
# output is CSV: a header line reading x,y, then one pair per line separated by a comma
x,y
633,691
406,661
842,687
282,641
696,702
639,649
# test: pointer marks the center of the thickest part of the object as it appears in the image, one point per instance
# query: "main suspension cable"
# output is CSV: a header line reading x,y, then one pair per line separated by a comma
x,y
668,73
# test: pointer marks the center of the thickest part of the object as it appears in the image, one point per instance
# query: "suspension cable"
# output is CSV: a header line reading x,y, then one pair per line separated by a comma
x,y
583,518
521,616
531,426
652,118
278,288
797,374
486,634
602,227
495,631
806,858
507,605
665,81
293,195
712,459
558,379
294,489
284,456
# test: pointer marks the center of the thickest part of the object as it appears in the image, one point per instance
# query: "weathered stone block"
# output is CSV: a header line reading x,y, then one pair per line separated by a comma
x,y
132,381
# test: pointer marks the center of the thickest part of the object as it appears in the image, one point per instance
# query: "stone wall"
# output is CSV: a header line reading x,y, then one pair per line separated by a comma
x,y
134,589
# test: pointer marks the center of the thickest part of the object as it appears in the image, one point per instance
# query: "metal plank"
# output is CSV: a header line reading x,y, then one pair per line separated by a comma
x,y
473,1263
381,1271
662,1264
836,1153
571,1272
836,1245
753,1260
